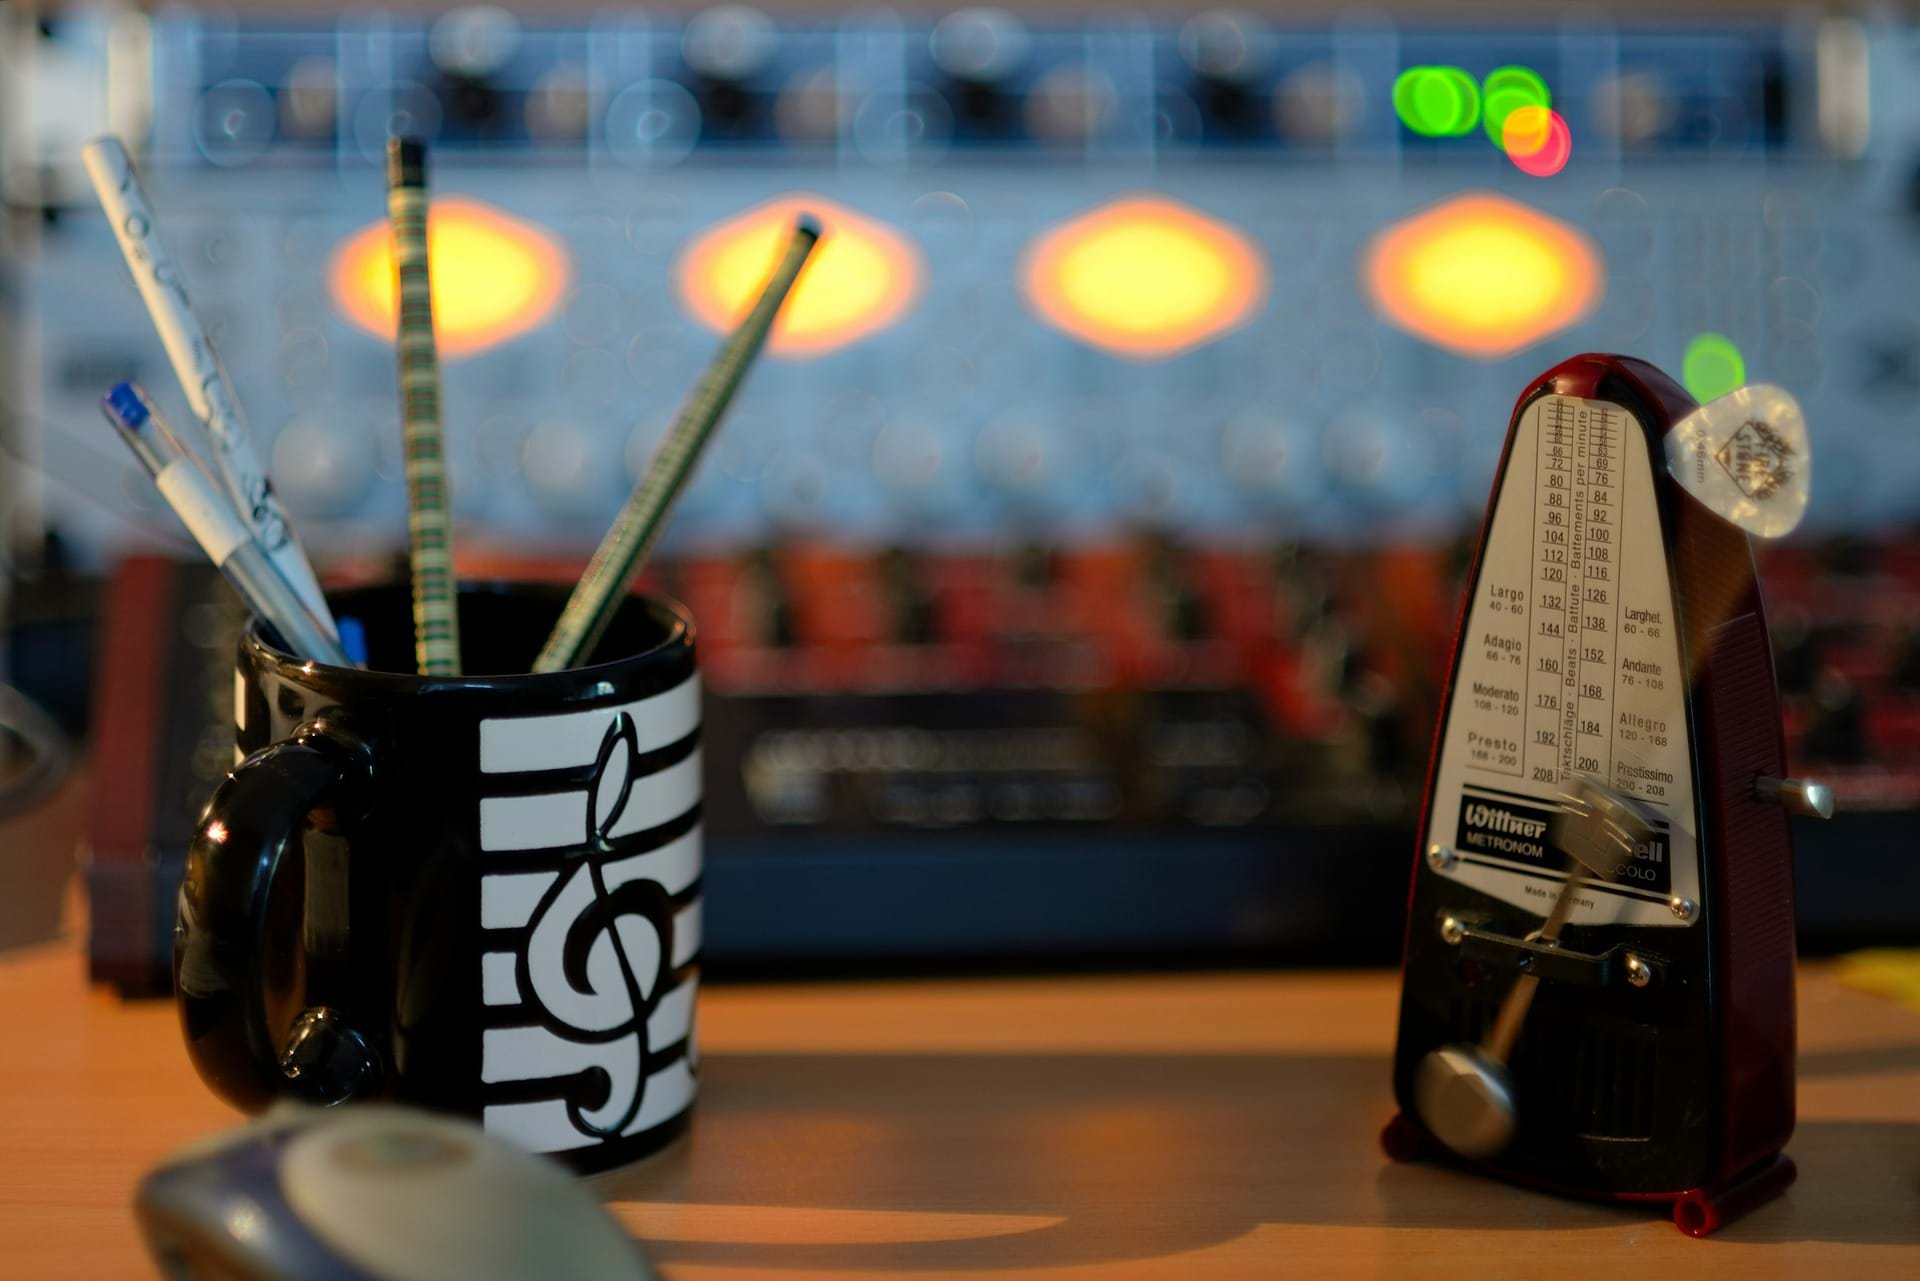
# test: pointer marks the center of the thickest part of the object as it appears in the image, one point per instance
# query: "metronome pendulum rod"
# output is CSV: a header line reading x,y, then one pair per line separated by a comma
x,y
1513,1011
1465,1091
1596,813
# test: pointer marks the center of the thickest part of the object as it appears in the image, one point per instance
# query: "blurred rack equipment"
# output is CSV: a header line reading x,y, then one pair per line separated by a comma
x,y
1076,575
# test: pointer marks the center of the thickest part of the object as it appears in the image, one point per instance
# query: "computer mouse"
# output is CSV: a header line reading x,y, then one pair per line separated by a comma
x,y
375,1192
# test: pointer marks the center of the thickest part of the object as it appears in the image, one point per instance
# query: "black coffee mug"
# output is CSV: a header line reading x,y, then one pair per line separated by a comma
x,y
479,894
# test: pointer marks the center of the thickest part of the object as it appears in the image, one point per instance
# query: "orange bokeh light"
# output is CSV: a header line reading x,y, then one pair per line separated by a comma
x,y
1145,277
861,278
1483,275
494,276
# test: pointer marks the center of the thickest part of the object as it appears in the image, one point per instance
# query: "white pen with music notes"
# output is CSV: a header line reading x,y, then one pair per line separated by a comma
x,y
197,364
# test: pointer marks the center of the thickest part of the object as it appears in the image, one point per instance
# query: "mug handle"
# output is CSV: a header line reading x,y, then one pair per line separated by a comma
x,y
219,938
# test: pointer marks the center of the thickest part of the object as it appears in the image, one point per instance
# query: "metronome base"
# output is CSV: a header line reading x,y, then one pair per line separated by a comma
x,y
1698,1212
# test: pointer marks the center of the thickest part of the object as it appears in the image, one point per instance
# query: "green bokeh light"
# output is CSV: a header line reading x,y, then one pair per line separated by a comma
x,y
1505,91
1712,367
1437,102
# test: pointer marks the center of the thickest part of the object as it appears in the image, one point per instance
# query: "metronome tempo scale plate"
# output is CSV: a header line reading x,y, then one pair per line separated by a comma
x,y
1570,664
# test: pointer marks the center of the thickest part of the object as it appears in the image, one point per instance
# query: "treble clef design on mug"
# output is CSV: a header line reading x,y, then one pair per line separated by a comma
x,y
594,957
593,1035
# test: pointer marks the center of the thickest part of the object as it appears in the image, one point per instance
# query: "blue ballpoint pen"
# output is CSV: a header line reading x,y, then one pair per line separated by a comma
x,y
217,527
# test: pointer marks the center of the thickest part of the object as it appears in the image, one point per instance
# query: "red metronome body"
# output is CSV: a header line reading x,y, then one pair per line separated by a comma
x,y
1612,629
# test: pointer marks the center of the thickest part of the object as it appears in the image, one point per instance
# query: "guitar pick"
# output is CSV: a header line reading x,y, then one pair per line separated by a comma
x,y
1747,458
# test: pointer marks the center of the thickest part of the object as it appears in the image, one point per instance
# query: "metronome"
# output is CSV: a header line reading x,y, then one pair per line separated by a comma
x,y
1597,996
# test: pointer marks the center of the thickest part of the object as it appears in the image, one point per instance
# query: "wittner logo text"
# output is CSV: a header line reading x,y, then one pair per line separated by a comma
x,y
1506,830
1517,833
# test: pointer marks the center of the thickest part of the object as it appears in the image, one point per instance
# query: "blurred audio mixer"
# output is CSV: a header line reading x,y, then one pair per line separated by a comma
x,y
1078,572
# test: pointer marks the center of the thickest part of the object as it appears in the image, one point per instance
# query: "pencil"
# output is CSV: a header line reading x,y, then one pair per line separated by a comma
x,y
635,530
191,352
217,527
436,617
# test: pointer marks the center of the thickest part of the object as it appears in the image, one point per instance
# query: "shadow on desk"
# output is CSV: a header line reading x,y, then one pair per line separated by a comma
x,y
897,1162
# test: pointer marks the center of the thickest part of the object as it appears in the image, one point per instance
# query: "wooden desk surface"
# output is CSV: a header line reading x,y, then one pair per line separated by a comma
x,y
1160,1127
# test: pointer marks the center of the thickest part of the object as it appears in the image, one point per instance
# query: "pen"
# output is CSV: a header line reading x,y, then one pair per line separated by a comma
x,y
197,365
214,524
638,526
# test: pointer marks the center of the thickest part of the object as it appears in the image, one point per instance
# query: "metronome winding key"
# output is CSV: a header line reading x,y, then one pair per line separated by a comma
x,y
1796,796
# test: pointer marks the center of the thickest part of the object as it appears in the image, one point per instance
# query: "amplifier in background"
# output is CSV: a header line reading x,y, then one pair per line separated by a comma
x,y
1142,751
